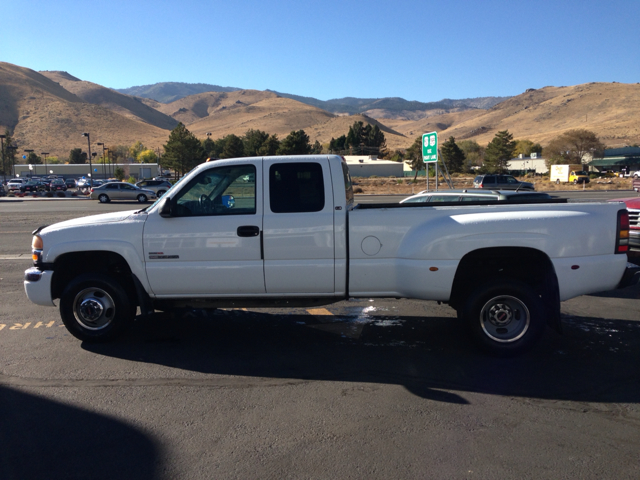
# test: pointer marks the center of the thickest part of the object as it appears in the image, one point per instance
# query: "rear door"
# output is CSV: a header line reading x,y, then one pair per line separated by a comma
x,y
298,230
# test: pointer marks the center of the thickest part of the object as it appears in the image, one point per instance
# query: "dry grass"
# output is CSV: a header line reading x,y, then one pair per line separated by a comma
x,y
406,186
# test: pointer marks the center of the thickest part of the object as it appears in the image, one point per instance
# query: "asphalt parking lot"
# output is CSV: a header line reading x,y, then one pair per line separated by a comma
x,y
358,389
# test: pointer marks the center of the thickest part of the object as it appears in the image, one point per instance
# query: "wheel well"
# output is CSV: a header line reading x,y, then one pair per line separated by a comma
x,y
527,265
70,265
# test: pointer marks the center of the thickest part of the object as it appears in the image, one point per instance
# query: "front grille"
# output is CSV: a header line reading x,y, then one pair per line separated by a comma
x,y
634,218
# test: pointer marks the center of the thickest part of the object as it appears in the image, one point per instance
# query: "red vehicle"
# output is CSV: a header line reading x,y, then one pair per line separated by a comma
x,y
633,207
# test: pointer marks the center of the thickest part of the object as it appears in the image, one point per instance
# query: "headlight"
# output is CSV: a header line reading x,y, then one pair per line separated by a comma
x,y
36,243
36,249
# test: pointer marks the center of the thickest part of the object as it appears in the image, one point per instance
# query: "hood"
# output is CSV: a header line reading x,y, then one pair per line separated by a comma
x,y
92,220
633,202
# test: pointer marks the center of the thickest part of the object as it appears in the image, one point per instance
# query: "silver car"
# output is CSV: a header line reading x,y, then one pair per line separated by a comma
x,y
121,191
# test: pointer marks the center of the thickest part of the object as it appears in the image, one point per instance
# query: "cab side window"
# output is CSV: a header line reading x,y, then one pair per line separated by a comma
x,y
218,191
296,187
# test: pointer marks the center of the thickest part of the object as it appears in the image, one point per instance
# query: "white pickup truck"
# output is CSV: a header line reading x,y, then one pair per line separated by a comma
x,y
285,231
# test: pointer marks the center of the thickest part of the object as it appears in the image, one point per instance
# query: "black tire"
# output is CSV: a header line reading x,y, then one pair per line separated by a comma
x,y
95,308
557,181
142,198
505,317
161,192
575,182
102,198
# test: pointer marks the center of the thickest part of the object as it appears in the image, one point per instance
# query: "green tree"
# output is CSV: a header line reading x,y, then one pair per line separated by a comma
x,y
413,156
453,156
317,148
296,143
8,154
365,139
473,152
183,151
253,141
499,152
572,146
209,146
270,146
233,147
338,145
34,159
77,156
119,173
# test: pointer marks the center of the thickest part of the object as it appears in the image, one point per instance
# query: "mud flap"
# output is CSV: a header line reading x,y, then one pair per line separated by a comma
x,y
551,300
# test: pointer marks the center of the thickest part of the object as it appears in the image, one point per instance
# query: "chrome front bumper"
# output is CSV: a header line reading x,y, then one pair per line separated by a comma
x,y
37,286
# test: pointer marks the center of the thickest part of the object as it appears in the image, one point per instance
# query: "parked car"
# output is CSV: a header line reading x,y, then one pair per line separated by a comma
x,y
158,186
70,182
57,184
121,191
477,196
501,182
14,184
33,186
636,174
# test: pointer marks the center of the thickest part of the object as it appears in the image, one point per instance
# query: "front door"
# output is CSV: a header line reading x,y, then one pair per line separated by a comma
x,y
210,246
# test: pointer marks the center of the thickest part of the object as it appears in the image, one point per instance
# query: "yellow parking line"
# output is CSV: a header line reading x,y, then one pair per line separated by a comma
x,y
319,311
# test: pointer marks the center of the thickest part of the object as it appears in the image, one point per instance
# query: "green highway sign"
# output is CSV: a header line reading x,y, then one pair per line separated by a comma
x,y
430,147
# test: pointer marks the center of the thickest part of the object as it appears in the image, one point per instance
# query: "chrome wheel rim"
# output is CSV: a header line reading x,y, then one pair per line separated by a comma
x,y
94,308
505,319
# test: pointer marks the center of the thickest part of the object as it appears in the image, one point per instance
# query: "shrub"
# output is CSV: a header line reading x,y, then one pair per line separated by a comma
x,y
61,194
358,190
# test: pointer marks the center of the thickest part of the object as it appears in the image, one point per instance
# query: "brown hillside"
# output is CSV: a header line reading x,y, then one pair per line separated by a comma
x,y
125,105
436,123
46,117
195,107
274,115
611,110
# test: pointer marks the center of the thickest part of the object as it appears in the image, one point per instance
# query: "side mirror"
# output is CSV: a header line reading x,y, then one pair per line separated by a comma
x,y
164,207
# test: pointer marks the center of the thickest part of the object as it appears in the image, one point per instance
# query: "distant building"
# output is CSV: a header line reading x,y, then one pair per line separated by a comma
x,y
369,165
618,160
534,163
138,171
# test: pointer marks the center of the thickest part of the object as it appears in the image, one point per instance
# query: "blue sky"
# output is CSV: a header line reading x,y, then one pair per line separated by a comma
x,y
417,50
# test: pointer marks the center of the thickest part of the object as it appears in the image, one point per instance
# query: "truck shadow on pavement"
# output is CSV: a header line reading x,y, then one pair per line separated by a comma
x,y
594,361
42,438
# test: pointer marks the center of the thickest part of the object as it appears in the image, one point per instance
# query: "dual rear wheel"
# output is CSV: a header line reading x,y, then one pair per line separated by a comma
x,y
505,317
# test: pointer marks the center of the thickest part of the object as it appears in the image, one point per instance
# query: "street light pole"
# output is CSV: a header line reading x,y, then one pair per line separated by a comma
x,y
85,134
4,173
103,159
34,165
45,162
13,165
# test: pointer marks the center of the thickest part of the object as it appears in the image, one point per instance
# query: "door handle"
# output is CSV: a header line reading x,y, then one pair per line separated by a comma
x,y
248,231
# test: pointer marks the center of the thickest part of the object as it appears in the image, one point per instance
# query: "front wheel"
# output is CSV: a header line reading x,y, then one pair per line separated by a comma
x,y
95,308
161,192
103,198
575,182
505,317
142,198
557,182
